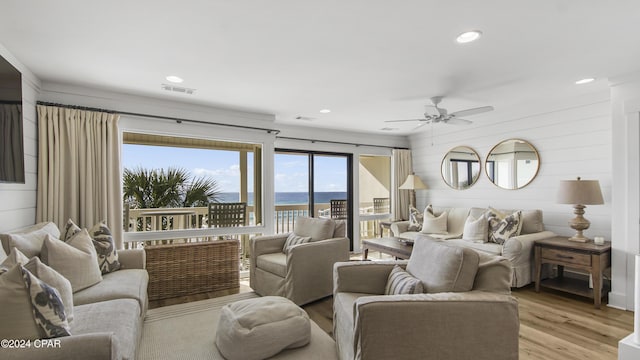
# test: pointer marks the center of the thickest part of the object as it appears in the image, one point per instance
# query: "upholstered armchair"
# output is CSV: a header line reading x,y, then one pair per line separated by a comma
x,y
462,308
303,272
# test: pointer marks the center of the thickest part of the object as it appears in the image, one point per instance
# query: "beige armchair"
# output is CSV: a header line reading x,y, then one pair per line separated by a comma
x,y
305,272
448,322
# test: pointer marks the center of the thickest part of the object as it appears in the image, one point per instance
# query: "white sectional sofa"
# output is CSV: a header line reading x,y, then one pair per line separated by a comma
x,y
517,249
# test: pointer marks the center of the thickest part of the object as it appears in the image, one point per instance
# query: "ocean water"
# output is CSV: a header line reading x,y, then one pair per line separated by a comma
x,y
289,198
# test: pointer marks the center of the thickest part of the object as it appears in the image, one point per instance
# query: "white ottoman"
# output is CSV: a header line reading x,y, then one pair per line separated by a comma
x,y
259,328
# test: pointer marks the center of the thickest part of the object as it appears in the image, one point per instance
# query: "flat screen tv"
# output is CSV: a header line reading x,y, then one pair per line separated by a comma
x,y
11,141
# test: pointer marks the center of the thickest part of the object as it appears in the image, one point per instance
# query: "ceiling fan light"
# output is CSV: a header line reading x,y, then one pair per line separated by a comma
x,y
468,36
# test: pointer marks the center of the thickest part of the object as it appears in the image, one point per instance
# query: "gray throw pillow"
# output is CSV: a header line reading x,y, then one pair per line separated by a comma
x,y
442,267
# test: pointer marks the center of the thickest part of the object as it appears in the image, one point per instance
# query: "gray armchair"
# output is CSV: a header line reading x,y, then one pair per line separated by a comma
x,y
305,272
450,321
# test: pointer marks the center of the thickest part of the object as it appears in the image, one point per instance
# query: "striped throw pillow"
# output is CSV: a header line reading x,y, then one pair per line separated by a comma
x,y
401,282
294,239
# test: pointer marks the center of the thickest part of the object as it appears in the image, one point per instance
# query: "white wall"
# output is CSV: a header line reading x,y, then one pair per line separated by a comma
x,y
18,205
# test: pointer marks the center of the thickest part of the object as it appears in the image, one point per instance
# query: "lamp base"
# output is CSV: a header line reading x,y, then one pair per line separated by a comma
x,y
579,223
579,238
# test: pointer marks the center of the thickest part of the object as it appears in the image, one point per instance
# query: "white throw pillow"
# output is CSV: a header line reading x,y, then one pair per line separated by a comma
x,y
435,225
476,230
75,259
40,229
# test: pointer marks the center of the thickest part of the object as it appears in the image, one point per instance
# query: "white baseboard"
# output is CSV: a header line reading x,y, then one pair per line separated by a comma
x,y
628,349
618,301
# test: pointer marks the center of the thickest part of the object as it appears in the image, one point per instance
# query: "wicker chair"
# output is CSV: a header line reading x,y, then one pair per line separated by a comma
x,y
339,209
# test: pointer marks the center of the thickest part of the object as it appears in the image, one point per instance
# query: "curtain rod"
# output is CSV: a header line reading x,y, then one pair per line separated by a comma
x,y
341,143
178,120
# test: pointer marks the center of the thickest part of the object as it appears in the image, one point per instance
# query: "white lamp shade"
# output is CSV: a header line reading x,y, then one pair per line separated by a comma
x,y
413,182
580,192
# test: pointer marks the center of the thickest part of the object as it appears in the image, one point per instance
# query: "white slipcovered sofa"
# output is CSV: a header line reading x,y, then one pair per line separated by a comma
x,y
517,249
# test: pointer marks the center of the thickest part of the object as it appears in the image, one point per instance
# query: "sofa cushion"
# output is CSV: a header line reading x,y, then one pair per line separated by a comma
x,y
120,317
489,248
443,268
275,263
401,282
259,328
293,240
503,226
55,280
75,259
340,229
122,284
33,249
434,224
317,229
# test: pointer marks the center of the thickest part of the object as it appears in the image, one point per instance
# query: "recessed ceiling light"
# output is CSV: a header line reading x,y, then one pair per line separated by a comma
x,y
469,36
174,79
584,81
325,111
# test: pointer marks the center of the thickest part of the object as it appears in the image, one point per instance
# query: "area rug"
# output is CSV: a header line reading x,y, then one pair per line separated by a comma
x,y
187,331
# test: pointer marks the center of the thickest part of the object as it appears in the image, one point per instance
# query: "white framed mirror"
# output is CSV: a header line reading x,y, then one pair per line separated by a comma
x,y
460,167
512,164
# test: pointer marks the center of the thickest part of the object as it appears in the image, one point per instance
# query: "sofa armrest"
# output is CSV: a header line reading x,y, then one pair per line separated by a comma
x,y
304,260
98,346
479,325
520,248
132,258
363,276
399,227
267,244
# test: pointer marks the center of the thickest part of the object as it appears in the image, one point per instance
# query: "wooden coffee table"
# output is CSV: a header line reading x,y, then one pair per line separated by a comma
x,y
388,245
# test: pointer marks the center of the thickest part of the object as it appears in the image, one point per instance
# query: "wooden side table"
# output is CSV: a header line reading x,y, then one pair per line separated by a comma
x,y
584,256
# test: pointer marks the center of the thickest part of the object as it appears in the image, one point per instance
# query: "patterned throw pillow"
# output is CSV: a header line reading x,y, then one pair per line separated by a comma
x,y
502,226
70,229
401,282
415,219
105,247
48,309
293,240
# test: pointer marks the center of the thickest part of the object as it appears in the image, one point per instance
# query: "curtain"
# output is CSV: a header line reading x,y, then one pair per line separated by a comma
x,y
79,168
402,169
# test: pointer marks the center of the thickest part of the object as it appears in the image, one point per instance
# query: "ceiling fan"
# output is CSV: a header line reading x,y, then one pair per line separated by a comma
x,y
444,116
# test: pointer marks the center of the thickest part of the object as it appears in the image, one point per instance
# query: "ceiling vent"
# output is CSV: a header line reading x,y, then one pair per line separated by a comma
x,y
178,89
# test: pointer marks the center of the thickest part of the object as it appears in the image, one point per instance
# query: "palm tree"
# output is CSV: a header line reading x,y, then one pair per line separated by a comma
x,y
174,187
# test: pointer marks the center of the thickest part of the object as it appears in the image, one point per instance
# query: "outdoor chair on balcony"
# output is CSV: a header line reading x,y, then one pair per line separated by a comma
x,y
381,205
299,265
227,214
339,209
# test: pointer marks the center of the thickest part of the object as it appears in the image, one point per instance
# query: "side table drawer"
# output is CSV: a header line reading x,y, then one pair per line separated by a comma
x,y
566,257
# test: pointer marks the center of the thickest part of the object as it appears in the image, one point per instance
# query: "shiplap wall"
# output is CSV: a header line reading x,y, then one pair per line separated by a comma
x,y
572,140
18,204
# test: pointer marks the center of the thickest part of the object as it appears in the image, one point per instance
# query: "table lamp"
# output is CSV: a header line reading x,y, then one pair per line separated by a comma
x,y
579,193
412,183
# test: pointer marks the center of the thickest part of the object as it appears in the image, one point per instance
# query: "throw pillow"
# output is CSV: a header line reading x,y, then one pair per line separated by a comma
x,y
317,229
475,230
41,228
502,226
105,248
3,254
442,267
435,225
294,239
401,282
28,243
33,308
55,280
15,257
75,259
70,229
415,219
47,306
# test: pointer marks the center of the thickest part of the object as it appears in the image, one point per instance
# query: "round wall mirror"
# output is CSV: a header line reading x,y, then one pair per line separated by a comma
x,y
512,164
461,167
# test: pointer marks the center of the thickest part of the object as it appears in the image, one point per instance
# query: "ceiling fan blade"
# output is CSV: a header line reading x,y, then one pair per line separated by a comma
x,y
390,121
458,121
474,111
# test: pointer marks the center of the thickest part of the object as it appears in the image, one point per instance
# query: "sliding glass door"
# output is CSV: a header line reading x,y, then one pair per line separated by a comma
x,y
306,184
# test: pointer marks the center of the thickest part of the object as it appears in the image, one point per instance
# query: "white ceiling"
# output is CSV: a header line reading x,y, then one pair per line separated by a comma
x,y
366,60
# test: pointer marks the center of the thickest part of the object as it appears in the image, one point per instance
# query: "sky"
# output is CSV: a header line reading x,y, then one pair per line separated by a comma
x,y
291,172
